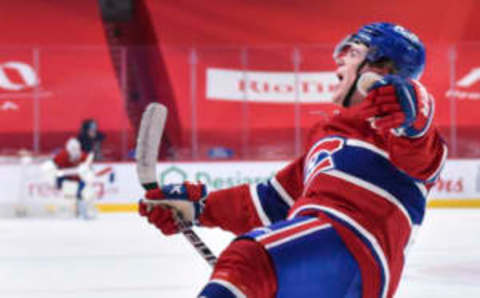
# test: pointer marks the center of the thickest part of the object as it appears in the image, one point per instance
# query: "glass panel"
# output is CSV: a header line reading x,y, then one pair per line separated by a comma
x,y
438,78
317,80
83,99
242,103
20,92
465,93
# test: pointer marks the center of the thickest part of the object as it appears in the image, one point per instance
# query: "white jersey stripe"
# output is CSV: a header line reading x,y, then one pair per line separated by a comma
x,y
231,287
289,227
422,188
296,236
361,230
368,146
282,192
442,163
425,95
258,206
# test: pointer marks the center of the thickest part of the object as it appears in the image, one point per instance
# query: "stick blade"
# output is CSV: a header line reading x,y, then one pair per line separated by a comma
x,y
148,142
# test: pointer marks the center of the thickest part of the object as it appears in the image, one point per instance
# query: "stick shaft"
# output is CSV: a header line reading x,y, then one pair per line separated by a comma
x,y
148,143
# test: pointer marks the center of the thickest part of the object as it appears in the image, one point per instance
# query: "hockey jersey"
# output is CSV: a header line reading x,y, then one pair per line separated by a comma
x,y
63,161
372,185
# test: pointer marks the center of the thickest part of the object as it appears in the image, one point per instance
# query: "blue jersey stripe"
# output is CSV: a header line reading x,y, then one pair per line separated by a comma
x,y
274,206
377,170
215,289
359,234
366,242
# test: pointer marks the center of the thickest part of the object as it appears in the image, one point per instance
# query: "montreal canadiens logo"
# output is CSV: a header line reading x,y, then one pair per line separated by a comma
x,y
319,158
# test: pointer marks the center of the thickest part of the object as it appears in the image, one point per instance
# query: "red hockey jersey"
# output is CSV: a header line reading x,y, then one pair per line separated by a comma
x,y
373,186
63,161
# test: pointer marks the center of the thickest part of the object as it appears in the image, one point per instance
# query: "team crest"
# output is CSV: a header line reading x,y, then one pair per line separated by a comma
x,y
319,158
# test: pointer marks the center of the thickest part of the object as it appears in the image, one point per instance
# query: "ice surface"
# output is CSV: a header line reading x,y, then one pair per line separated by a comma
x,y
120,255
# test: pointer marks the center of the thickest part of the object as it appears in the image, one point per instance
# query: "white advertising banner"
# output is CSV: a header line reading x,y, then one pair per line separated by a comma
x,y
122,185
270,86
460,179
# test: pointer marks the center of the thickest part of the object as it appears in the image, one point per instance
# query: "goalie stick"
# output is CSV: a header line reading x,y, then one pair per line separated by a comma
x,y
148,143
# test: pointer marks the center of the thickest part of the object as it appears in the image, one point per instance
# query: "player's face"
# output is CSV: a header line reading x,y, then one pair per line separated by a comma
x,y
348,61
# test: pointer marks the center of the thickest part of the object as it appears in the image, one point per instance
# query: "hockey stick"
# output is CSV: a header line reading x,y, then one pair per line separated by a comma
x,y
148,143
104,171
74,171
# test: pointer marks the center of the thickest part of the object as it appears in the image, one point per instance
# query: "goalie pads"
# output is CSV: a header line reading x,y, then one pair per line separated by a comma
x,y
49,170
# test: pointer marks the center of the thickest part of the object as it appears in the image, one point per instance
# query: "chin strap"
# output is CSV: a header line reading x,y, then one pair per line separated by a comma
x,y
348,98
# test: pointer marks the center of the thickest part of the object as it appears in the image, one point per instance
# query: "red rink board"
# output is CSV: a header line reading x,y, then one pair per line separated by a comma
x,y
263,36
55,52
259,37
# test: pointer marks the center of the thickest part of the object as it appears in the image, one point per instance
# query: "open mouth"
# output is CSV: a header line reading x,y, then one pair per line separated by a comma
x,y
340,77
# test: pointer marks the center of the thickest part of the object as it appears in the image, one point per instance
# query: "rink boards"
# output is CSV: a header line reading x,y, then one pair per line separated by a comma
x,y
459,185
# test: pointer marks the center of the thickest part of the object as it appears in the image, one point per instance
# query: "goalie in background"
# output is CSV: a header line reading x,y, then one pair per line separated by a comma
x,y
71,172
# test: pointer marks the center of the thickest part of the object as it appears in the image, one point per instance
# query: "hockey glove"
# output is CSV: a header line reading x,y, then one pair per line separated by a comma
x,y
398,105
172,205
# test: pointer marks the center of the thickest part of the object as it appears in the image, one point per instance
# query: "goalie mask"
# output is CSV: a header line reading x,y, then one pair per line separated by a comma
x,y
385,42
74,149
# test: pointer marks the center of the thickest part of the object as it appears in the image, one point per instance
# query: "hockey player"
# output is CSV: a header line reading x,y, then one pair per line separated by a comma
x,y
337,221
72,173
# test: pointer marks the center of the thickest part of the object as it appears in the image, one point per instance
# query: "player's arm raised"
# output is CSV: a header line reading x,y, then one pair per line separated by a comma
x,y
402,110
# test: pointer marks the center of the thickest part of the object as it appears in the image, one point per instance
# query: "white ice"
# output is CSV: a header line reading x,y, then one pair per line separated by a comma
x,y
120,255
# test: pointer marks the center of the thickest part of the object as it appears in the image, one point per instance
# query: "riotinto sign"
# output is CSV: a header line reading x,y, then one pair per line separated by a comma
x,y
270,86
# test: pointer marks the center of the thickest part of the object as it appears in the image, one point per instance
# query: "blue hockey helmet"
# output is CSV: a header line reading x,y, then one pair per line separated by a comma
x,y
393,42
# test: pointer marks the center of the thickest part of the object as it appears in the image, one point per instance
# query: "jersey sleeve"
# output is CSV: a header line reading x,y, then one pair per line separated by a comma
x,y
241,208
419,151
421,158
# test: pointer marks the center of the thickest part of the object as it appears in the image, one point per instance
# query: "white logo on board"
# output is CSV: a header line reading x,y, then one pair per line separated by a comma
x,y
24,71
468,81
9,106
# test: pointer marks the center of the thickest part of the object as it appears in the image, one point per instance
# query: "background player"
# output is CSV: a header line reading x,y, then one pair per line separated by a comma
x,y
72,173
337,221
